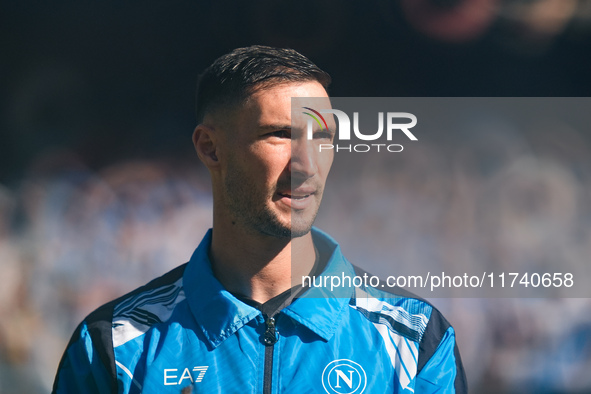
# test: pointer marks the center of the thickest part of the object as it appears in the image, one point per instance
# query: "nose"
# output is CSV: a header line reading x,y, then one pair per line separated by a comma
x,y
303,162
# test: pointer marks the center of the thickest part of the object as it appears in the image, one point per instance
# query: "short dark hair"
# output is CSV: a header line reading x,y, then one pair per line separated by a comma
x,y
235,76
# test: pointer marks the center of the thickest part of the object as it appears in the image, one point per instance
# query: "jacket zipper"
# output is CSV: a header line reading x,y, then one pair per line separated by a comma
x,y
270,337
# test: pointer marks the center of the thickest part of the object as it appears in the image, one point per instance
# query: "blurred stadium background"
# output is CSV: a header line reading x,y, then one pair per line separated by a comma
x,y
100,190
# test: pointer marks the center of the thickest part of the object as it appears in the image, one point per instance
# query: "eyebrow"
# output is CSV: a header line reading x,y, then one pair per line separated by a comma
x,y
275,127
279,126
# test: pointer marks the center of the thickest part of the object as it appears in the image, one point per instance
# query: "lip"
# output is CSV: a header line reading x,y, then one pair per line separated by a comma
x,y
299,198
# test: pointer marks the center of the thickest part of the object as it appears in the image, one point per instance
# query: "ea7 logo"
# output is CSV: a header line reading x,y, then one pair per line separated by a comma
x,y
172,378
345,124
344,377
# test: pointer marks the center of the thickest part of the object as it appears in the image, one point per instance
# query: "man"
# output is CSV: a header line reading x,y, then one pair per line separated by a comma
x,y
233,320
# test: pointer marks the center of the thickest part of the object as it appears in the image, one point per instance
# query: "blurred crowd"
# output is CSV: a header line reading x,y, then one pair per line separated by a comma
x,y
525,26
72,239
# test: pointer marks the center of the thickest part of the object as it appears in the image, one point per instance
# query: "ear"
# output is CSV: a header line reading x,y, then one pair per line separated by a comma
x,y
205,142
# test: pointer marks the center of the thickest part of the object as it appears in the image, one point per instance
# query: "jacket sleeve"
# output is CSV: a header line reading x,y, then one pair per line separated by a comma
x,y
440,368
81,369
88,363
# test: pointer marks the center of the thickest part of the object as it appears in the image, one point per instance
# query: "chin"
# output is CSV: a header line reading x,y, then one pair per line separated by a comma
x,y
285,231
300,233
300,229
282,226
288,232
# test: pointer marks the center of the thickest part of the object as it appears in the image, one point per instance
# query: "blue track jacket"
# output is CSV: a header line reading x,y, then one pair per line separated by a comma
x,y
184,333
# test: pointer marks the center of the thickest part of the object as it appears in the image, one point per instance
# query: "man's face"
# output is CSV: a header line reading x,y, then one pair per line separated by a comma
x,y
273,176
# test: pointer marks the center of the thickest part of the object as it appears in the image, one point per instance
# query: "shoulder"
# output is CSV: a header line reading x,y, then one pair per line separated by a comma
x,y
131,306
113,323
404,313
134,313
425,329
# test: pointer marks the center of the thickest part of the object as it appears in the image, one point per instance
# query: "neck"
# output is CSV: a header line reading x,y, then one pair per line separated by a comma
x,y
257,265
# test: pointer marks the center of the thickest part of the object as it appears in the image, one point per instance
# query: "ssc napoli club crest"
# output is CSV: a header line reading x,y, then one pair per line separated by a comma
x,y
344,377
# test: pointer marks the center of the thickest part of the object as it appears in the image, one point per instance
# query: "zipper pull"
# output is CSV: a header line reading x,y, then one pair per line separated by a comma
x,y
271,336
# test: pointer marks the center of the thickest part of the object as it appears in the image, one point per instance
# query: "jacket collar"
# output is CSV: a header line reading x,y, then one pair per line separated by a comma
x,y
322,308
219,314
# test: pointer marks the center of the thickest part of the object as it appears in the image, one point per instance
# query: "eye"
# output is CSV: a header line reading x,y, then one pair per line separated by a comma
x,y
283,133
323,134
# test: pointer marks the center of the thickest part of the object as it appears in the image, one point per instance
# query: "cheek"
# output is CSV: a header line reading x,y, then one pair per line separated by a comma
x,y
245,157
263,163
274,169
274,160
325,163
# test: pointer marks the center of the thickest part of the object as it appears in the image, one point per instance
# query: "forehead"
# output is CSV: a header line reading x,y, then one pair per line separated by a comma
x,y
272,105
